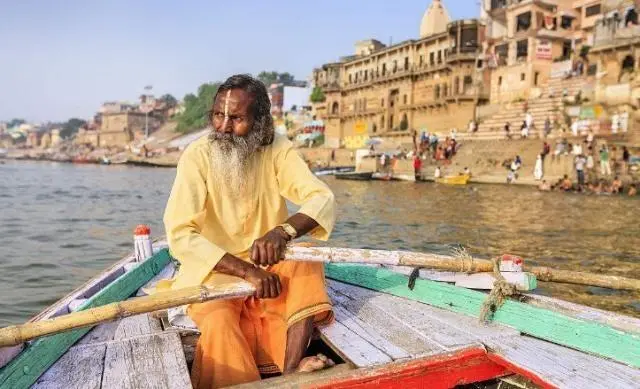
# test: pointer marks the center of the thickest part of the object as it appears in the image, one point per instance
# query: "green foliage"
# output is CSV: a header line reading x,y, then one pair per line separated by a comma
x,y
15,122
317,95
71,127
584,51
169,100
196,108
272,77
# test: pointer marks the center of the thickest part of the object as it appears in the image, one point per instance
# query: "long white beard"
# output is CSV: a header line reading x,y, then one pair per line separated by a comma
x,y
232,160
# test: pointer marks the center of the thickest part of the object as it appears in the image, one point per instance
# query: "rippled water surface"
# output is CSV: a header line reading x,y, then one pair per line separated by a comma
x,y
61,224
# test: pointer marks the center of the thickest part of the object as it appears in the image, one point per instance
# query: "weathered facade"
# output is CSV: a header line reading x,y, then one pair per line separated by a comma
x,y
117,129
430,83
525,37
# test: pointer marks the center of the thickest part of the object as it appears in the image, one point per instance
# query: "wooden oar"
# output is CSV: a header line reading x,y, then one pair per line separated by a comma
x,y
14,335
451,263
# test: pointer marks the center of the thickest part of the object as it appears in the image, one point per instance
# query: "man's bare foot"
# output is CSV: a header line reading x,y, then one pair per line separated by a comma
x,y
314,363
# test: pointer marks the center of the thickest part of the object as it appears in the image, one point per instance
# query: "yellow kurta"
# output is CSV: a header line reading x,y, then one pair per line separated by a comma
x,y
203,222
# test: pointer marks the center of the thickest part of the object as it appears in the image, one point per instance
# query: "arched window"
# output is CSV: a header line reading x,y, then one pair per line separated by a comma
x,y
436,93
374,128
335,108
382,122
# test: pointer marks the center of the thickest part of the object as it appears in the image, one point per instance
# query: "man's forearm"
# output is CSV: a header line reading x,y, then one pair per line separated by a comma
x,y
233,266
302,223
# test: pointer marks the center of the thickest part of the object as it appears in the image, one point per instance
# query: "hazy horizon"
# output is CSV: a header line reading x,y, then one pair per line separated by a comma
x,y
63,61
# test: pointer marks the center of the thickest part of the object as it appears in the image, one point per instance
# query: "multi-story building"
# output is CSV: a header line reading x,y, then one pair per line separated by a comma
x,y
118,129
431,83
525,37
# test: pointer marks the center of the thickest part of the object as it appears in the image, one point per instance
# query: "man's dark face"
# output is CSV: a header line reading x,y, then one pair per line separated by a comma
x,y
232,113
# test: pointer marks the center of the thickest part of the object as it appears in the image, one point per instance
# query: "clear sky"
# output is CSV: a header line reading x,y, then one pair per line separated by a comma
x,y
63,58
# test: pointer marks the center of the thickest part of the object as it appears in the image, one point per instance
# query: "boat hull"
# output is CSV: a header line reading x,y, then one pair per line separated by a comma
x,y
462,179
366,176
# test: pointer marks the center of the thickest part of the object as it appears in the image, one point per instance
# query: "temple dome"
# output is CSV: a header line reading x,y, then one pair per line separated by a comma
x,y
435,19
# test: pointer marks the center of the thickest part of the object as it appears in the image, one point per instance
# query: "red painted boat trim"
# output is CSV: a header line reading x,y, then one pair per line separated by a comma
x,y
521,371
443,371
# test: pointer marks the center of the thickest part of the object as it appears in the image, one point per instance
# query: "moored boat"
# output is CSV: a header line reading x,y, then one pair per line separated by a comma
x,y
357,176
385,335
461,179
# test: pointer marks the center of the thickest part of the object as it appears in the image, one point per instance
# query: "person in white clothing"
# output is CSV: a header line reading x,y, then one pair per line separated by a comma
x,y
437,173
537,171
574,127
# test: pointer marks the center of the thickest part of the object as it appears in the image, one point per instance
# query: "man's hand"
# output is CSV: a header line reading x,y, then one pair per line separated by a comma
x,y
267,284
269,249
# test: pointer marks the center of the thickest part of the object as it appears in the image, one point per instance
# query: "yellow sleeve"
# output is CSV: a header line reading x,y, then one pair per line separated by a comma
x,y
185,215
298,185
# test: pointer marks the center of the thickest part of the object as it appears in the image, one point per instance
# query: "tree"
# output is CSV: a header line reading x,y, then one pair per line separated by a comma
x,y
71,127
15,122
317,95
273,77
169,100
196,108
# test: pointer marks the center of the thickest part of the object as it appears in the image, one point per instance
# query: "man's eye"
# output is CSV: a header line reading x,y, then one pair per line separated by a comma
x,y
218,115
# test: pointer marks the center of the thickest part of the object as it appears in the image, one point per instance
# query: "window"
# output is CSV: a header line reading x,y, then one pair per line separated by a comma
x,y
522,49
593,10
523,21
456,85
366,75
445,90
404,99
565,22
502,52
536,75
395,65
421,60
432,58
391,122
374,128
335,108
350,81
382,105
406,63
382,122
500,81
384,69
522,77
467,81
364,104
436,93
439,56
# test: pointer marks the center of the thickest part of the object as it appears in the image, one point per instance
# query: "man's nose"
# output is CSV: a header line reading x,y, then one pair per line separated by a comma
x,y
227,125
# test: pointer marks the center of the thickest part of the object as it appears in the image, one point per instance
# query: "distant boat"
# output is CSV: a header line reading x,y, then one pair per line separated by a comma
x,y
357,176
461,179
333,170
105,161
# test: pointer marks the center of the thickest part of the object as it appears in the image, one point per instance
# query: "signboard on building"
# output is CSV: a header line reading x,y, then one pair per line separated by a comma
x,y
360,127
543,49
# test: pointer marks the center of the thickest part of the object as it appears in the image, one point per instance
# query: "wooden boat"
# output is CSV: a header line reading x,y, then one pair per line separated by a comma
x,y
461,179
82,160
333,170
358,176
385,335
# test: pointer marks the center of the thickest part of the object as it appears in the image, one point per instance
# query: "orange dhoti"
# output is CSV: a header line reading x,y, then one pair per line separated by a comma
x,y
242,338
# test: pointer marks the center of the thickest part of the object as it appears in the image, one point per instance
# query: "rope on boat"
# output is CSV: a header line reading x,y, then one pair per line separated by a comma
x,y
501,290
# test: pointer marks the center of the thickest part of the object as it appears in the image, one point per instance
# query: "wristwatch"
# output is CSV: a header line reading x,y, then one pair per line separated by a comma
x,y
289,230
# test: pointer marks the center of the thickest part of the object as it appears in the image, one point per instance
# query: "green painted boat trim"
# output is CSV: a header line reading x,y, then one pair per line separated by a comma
x,y
24,370
583,335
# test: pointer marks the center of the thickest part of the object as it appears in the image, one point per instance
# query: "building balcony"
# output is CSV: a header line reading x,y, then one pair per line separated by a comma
x,y
608,35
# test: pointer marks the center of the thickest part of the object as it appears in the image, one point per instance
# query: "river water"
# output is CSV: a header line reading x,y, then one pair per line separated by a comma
x,y
61,224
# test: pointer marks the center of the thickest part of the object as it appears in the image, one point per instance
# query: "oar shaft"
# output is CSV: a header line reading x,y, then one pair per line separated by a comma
x,y
14,335
450,263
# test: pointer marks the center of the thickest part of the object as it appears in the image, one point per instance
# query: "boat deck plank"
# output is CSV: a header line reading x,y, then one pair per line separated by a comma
x,y
564,367
79,368
154,361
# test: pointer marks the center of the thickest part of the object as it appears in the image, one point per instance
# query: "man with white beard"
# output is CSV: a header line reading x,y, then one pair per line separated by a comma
x,y
227,218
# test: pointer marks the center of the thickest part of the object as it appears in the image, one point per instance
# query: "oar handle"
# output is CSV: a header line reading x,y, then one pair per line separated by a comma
x,y
14,335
